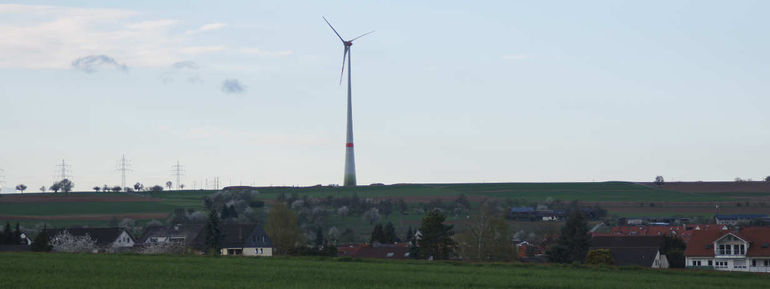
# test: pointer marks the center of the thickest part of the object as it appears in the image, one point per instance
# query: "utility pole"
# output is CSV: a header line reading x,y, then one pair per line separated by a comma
x,y
178,171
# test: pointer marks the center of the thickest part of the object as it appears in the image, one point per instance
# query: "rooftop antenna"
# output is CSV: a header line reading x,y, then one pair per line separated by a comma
x,y
178,171
123,166
350,163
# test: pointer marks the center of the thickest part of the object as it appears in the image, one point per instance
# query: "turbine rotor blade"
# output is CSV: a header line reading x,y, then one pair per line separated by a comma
x,y
332,27
362,35
344,57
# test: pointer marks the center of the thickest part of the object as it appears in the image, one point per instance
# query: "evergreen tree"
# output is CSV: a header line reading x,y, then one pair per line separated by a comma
x,y
17,236
389,234
7,234
409,235
40,244
436,240
574,240
319,237
213,232
378,235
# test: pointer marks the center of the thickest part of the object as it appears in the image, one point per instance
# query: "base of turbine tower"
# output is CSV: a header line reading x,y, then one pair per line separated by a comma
x,y
350,181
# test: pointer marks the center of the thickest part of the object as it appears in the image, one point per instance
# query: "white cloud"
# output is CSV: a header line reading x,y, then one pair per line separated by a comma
x,y
260,52
517,56
35,36
207,27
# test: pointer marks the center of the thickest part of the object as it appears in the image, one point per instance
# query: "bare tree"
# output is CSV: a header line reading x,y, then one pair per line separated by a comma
x,y
169,185
21,188
97,188
138,187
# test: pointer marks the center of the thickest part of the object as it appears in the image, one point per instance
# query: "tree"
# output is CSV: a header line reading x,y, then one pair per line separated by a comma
x,y
21,188
767,179
138,187
66,242
97,188
156,188
389,234
116,189
283,229
42,189
402,207
55,187
377,234
487,237
659,181
574,241
319,237
600,257
181,186
66,185
213,232
673,248
105,188
8,235
169,185
436,240
40,244
463,201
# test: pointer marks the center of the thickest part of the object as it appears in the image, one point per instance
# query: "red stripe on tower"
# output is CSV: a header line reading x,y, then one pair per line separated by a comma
x,y
349,145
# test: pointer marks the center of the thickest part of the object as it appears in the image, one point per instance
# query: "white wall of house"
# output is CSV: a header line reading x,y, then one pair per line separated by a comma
x,y
261,251
124,241
660,261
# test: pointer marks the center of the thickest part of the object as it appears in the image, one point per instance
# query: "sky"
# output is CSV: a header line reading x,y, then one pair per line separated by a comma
x,y
443,91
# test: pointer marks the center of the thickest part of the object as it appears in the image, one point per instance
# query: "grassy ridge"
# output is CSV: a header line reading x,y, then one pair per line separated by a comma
x,y
28,270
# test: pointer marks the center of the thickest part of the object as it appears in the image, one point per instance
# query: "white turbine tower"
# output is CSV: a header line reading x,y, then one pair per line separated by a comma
x,y
350,162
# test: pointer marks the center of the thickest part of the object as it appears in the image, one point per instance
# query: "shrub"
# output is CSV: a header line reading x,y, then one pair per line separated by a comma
x,y
600,257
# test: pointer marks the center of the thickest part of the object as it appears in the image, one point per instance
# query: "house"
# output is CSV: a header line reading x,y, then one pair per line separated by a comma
x,y
683,232
246,240
641,251
106,238
747,249
737,218
189,236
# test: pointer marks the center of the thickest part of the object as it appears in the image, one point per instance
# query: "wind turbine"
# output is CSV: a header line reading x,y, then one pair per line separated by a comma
x,y
350,162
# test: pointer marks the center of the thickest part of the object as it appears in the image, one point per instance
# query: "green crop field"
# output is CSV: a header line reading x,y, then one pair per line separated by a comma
x,y
41,270
629,195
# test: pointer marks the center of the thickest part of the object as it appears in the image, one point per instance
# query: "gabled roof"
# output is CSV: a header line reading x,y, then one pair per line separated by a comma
x,y
192,234
244,236
702,242
102,236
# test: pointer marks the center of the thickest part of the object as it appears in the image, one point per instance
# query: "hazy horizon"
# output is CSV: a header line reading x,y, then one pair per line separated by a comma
x,y
443,92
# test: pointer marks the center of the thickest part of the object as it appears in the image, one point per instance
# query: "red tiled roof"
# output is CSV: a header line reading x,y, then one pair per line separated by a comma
x,y
702,242
683,232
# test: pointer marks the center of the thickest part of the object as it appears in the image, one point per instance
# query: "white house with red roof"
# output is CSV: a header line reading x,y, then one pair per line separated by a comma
x,y
747,249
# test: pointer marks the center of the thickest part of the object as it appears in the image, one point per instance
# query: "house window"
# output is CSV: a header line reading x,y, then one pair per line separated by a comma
x,y
696,263
721,249
711,263
767,263
753,263
739,264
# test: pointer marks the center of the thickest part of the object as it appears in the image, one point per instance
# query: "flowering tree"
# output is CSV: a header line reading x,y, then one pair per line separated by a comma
x,y
66,242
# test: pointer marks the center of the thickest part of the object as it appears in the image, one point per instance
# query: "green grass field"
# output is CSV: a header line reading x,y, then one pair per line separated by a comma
x,y
41,270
